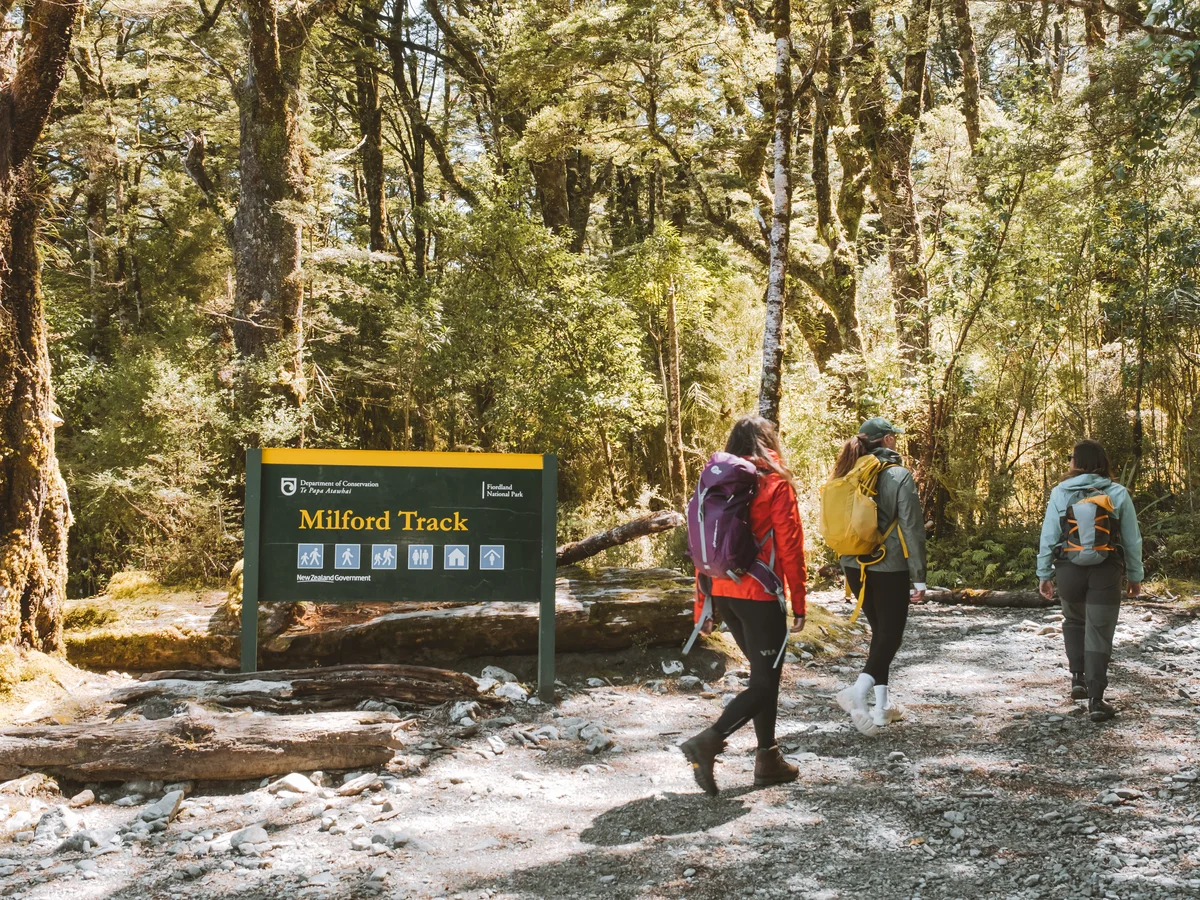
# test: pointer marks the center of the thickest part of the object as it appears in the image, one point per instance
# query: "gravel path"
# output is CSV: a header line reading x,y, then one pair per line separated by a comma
x,y
996,785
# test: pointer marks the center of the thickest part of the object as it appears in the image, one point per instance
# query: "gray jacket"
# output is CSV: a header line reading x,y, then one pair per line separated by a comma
x,y
897,497
1056,508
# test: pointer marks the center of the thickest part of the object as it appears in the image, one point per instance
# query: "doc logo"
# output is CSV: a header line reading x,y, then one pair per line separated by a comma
x,y
288,486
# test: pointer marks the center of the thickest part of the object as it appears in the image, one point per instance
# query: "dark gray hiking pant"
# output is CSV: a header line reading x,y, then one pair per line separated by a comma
x,y
1091,603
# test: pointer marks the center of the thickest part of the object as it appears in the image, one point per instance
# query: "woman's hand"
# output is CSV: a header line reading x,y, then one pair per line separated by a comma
x,y
1046,589
707,627
798,625
1135,589
916,596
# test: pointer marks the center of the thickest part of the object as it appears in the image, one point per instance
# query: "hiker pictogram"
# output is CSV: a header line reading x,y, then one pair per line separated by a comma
x,y
383,556
346,556
310,556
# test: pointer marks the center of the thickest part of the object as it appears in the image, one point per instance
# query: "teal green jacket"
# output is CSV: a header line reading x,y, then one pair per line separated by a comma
x,y
1131,534
898,501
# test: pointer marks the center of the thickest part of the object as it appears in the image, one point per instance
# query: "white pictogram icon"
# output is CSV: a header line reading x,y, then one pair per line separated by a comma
x,y
310,556
491,556
420,556
457,556
383,556
346,556
287,486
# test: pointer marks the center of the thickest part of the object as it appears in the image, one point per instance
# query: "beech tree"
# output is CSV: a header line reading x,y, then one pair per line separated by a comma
x,y
34,511
274,187
888,130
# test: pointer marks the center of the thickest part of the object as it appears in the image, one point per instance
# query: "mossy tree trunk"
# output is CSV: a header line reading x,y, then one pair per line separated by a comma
x,y
34,513
887,131
274,189
370,124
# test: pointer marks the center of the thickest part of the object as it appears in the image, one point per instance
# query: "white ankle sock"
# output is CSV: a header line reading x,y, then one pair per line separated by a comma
x,y
862,686
881,696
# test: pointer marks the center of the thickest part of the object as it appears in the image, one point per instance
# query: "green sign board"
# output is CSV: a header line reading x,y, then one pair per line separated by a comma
x,y
361,526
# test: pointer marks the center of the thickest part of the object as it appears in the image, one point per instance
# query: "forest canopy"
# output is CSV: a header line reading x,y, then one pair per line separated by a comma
x,y
547,227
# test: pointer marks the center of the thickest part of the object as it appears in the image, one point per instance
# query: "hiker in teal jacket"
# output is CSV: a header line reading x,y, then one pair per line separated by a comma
x,y
1089,580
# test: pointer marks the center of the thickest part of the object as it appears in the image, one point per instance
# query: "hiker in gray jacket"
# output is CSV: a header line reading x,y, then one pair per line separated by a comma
x,y
887,596
1090,540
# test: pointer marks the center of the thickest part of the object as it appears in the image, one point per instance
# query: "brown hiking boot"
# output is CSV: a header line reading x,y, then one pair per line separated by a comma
x,y
701,751
771,768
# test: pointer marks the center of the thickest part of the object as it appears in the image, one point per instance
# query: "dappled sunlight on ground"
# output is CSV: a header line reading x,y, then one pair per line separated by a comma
x,y
995,785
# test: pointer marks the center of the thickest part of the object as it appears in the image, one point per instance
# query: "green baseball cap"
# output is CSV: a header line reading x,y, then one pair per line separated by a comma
x,y
877,428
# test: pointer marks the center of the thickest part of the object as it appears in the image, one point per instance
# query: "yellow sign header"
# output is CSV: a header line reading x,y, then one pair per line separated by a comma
x,y
405,458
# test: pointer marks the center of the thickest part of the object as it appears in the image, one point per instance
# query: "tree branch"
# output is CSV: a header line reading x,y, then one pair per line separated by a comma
x,y
193,164
655,522
210,19
1132,21
455,40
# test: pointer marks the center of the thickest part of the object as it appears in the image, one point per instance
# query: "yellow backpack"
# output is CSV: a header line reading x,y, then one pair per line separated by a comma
x,y
850,517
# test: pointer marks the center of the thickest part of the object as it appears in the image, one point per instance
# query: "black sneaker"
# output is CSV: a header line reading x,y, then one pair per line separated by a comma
x,y
1079,689
1099,710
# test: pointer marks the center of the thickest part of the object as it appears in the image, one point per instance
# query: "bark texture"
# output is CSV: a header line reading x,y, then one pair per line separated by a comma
x,y
838,218
550,179
274,189
970,66
569,554
771,385
675,403
300,690
34,513
619,617
969,597
370,125
887,134
202,747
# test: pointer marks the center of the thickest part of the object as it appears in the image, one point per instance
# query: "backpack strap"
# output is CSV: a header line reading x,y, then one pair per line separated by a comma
x,y
764,574
864,563
706,611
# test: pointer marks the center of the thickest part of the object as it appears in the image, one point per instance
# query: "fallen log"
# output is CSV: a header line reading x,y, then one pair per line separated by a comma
x,y
664,520
199,746
972,597
612,612
293,690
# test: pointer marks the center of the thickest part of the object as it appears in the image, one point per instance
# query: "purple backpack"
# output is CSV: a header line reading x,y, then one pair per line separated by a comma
x,y
720,540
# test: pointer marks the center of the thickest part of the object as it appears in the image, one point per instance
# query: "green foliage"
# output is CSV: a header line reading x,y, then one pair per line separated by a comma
x,y
1062,259
1005,559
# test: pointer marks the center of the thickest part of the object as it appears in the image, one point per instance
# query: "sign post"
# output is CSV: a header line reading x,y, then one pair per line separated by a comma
x,y
350,526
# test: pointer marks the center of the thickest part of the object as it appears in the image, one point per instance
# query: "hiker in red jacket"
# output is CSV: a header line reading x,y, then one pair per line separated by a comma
x,y
757,618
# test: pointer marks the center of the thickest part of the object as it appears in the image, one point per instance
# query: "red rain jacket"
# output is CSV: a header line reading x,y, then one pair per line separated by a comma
x,y
773,507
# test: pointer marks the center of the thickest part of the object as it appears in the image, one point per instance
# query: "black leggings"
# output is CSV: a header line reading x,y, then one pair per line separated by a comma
x,y
760,629
886,608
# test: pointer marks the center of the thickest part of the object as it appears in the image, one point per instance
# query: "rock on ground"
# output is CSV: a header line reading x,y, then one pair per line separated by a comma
x,y
994,786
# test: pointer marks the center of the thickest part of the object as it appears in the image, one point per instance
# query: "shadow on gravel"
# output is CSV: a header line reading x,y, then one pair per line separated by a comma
x,y
664,814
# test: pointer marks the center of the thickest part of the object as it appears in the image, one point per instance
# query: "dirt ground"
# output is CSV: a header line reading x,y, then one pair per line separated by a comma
x,y
995,785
